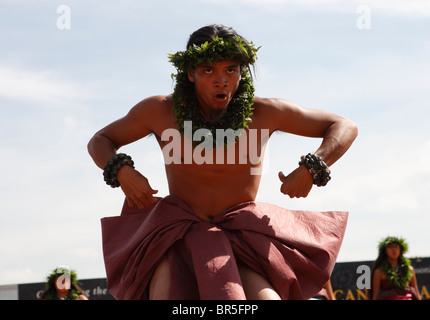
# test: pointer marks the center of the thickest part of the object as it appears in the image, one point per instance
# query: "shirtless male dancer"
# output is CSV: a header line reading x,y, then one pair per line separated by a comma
x,y
214,69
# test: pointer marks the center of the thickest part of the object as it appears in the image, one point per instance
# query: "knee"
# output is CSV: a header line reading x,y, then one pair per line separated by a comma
x,y
159,286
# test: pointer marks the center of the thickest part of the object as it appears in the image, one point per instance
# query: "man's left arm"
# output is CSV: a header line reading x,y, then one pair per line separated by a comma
x,y
337,133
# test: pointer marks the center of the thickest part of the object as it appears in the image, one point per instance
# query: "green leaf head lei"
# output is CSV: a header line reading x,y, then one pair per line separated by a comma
x,y
400,277
389,240
239,110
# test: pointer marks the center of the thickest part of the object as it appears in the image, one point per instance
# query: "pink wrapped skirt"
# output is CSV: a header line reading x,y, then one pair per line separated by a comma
x,y
294,250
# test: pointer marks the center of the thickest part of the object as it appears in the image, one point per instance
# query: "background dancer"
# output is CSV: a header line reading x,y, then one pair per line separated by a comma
x,y
62,284
393,277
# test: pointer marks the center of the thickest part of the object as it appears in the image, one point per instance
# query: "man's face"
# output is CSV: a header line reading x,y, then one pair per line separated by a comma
x,y
215,84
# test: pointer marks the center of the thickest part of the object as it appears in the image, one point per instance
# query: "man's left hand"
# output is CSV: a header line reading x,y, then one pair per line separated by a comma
x,y
297,184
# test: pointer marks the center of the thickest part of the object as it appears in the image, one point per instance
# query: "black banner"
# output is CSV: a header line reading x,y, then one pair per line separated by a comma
x,y
94,289
351,280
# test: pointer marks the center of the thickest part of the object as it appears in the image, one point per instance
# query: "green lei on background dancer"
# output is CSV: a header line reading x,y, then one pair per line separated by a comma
x,y
239,110
51,292
402,276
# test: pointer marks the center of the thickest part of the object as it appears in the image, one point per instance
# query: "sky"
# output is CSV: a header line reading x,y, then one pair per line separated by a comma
x,y
68,68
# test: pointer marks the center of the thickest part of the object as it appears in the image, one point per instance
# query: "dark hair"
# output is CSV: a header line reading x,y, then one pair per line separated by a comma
x,y
210,32
382,256
51,291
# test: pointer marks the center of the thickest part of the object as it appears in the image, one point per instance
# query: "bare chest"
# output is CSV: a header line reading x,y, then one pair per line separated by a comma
x,y
235,149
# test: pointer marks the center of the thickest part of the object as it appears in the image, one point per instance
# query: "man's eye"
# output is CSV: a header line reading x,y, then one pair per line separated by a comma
x,y
231,70
208,71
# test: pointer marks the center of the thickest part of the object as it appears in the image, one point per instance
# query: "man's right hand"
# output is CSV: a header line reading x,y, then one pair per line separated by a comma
x,y
136,187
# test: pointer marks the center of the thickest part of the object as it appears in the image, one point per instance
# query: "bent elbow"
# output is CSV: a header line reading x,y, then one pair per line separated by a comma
x,y
90,145
354,129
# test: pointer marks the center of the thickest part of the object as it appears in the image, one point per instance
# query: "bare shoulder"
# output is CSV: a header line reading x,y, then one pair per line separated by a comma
x,y
273,102
378,273
274,113
151,115
275,107
154,104
154,112
287,116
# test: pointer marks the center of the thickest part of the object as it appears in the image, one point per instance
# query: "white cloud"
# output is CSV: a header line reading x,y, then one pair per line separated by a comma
x,y
410,7
47,87
50,182
400,7
13,276
387,75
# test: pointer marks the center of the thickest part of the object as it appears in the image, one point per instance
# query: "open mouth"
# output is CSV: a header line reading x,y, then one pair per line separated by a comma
x,y
221,97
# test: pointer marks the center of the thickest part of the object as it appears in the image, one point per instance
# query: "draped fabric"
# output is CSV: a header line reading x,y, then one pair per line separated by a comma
x,y
294,250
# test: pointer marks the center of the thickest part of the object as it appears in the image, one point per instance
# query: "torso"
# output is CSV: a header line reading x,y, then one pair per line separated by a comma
x,y
210,189
385,284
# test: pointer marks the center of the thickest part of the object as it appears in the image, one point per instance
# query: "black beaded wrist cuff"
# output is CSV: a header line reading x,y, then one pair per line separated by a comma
x,y
112,167
317,168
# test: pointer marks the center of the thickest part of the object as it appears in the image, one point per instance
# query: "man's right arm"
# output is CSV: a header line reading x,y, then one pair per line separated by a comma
x,y
138,123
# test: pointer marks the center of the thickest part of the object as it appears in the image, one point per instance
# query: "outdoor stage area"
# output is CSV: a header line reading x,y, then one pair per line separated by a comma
x,y
348,281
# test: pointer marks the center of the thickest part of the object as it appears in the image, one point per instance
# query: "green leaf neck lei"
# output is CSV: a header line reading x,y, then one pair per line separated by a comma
x,y
51,292
403,275
237,116
185,106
